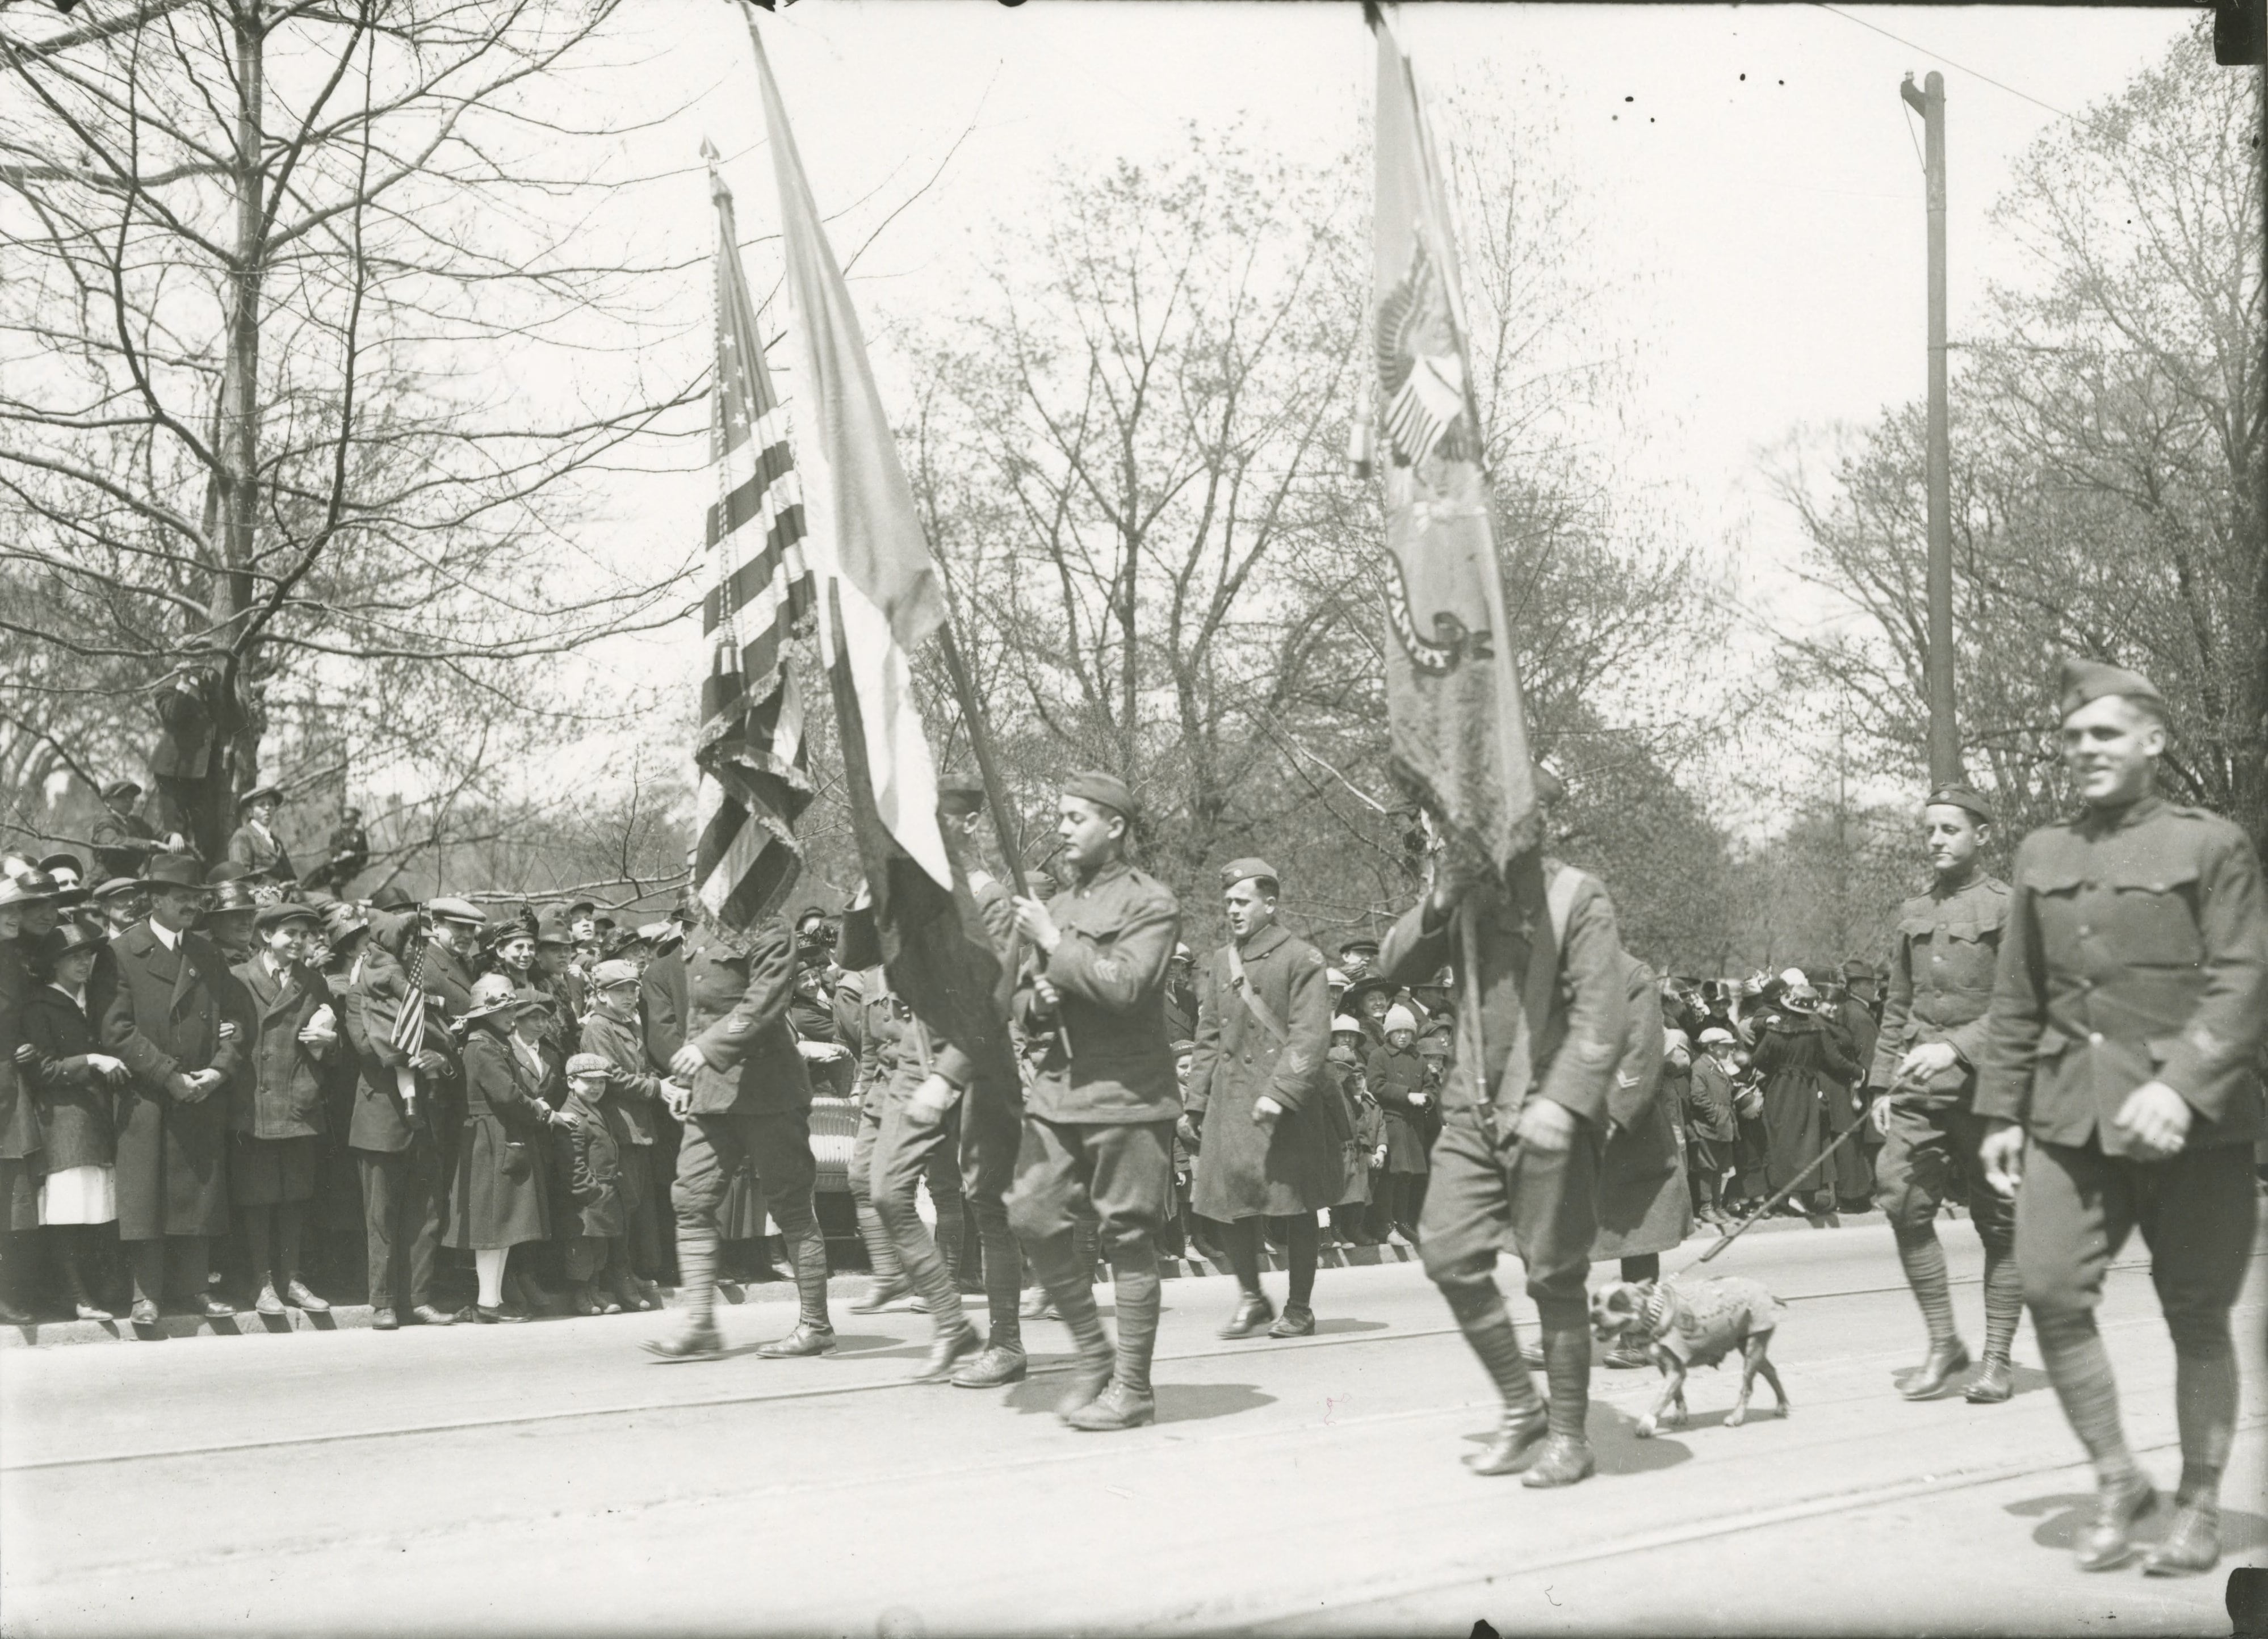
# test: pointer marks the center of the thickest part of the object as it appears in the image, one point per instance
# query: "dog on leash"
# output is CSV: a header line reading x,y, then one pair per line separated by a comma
x,y
1693,1322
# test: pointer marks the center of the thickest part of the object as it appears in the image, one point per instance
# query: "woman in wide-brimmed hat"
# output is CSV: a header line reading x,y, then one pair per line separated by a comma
x,y
1801,1060
503,1188
74,1086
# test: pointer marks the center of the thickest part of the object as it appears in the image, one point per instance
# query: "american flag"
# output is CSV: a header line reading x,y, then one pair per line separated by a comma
x,y
409,1036
754,766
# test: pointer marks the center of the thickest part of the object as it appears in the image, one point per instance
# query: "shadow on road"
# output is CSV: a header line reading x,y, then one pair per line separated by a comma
x,y
1615,1445
2068,1513
2022,1380
1181,1402
1338,1325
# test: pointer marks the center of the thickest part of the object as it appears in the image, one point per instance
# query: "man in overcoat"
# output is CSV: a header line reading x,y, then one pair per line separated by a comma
x,y
177,1019
392,1132
1922,1072
1272,1140
1099,1112
278,1105
750,1099
1519,1159
2121,1081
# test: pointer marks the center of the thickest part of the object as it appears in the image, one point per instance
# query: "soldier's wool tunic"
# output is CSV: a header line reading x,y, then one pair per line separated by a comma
x,y
1942,957
2136,951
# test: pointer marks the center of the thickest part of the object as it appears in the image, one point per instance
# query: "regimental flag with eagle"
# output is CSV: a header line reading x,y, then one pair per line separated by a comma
x,y
1459,726
884,598
753,765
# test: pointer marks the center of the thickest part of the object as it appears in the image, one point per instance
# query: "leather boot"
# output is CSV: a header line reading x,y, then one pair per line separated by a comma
x,y
806,1340
1946,1357
1254,1313
296,1293
2106,1544
693,1342
1561,1460
2192,1544
1299,1321
882,1294
994,1367
945,1352
1117,1406
1994,1382
1523,1420
1137,1296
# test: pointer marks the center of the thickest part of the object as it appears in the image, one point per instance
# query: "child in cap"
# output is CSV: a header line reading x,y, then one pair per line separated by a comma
x,y
637,1108
596,1247
1396,1076
1342,1073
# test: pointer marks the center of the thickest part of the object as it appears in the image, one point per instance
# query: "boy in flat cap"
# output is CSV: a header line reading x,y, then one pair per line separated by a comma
x,y
1099,1117
277,1108
2121,1089
1272,1136
123,840
1924,1080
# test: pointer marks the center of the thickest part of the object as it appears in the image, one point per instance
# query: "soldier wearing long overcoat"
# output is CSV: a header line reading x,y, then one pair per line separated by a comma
x,y
1274,1135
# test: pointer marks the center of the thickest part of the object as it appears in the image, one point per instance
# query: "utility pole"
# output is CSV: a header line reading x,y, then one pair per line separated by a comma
x,y
1944,735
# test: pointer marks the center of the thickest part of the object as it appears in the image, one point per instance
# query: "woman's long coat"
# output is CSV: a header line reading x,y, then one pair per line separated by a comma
x,y
74,1105
1643,1205
504,1110
1243,1170
1803,1063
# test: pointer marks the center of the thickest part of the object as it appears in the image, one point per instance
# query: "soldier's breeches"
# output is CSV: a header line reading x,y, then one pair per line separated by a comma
x,y
2195,1212
905,1152
1123,1173
881,1249
778,1147
1930,1157
1486,1199
2196,1215
991,1133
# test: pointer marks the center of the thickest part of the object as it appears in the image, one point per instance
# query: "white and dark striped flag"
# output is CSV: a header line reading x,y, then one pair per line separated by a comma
x,y
755,780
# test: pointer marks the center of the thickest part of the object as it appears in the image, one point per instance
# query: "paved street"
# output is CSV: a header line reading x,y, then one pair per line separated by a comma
x,y
546,1477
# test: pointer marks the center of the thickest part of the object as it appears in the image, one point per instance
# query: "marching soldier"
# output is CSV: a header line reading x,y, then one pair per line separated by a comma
x,y
1924,1078
1273,1136
2120,1082
749,1100
1097,1135
923,1127
1522,1162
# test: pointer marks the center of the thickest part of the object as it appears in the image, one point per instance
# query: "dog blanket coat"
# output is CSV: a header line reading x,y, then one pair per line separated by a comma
x,y
1703,1321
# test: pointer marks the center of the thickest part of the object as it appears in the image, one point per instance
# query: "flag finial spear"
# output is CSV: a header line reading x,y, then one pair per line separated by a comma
x,y
719,194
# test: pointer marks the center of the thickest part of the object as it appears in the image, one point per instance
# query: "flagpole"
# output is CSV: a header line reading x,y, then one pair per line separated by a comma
x,y
980,741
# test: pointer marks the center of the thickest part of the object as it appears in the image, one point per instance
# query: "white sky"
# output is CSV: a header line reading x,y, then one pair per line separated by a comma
x,y
1772,224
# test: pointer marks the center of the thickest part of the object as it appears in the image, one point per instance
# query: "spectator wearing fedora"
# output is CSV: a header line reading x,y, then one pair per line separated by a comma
x,y
278,1107
123,840
502,1191
253,844
446,973
61,1066
176,1021
119,903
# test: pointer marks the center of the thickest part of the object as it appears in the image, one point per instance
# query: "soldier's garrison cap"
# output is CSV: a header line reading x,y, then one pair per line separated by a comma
x,y
1963,796
1106,791
1245,869
2083,681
